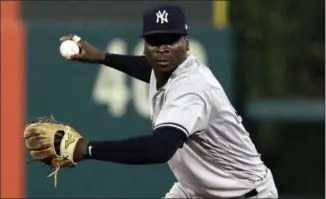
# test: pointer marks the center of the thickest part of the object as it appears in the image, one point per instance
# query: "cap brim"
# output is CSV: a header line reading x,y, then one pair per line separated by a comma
x,y
162,32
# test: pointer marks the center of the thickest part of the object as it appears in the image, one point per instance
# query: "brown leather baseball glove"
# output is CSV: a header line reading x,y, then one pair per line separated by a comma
x,y
52,143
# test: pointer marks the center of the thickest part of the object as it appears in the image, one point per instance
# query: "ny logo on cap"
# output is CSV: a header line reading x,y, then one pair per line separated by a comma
x,y
162,16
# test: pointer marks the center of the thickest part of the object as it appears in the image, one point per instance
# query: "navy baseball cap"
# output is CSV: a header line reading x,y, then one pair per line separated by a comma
x,y
164,19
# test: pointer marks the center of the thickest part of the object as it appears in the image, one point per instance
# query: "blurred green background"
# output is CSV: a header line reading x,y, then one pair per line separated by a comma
x,y
268,55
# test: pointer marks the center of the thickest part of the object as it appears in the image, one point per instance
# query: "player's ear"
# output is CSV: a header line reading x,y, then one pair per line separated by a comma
x,y
187,43
144,47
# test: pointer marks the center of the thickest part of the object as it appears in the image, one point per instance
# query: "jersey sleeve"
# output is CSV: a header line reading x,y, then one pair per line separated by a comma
x,y
135,66
186,107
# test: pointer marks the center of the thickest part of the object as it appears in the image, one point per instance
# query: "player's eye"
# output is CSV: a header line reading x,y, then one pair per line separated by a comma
x,y
162,39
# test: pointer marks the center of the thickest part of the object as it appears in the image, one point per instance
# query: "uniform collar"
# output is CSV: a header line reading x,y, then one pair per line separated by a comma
x,y
183,67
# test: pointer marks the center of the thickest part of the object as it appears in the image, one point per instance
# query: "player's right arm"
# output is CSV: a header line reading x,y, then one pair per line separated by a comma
x,y
135,66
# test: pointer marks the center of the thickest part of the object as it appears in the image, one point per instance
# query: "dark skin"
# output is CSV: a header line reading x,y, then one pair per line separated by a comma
x,y
164,52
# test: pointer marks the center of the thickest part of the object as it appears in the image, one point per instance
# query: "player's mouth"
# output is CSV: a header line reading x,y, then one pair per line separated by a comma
x,y
163,62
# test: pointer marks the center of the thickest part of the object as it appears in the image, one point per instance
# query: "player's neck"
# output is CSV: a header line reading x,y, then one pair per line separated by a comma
x,y
161,79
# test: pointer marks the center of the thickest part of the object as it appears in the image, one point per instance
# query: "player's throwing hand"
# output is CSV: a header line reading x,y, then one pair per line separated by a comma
x,y
88,52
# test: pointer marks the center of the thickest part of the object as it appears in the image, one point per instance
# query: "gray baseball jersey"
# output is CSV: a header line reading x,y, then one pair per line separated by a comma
x,y
218,159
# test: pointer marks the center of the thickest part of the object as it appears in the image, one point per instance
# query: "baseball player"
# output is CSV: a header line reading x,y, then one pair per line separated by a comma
x,y
195,128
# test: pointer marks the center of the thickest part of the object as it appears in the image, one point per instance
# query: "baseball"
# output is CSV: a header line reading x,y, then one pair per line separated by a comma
x,y
69,48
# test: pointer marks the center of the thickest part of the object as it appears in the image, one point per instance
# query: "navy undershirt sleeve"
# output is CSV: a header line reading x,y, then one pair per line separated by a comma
x,y
135,66
158,147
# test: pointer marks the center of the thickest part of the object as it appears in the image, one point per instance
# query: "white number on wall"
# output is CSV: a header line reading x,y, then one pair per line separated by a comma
x,y
111,85
140,89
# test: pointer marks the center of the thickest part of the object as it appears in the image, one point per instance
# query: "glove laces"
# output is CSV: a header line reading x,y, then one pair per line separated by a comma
x,y
56,164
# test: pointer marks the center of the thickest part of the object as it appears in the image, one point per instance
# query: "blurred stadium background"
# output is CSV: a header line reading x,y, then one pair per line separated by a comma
x,y
268,55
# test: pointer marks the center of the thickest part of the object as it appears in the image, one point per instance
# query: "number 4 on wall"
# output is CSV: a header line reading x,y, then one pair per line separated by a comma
x,y
111,86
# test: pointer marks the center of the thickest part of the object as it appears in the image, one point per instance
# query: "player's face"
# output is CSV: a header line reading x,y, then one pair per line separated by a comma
x,y
165,52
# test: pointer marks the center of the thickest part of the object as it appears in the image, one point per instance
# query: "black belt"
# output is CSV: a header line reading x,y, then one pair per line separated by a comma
x,y
251,193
